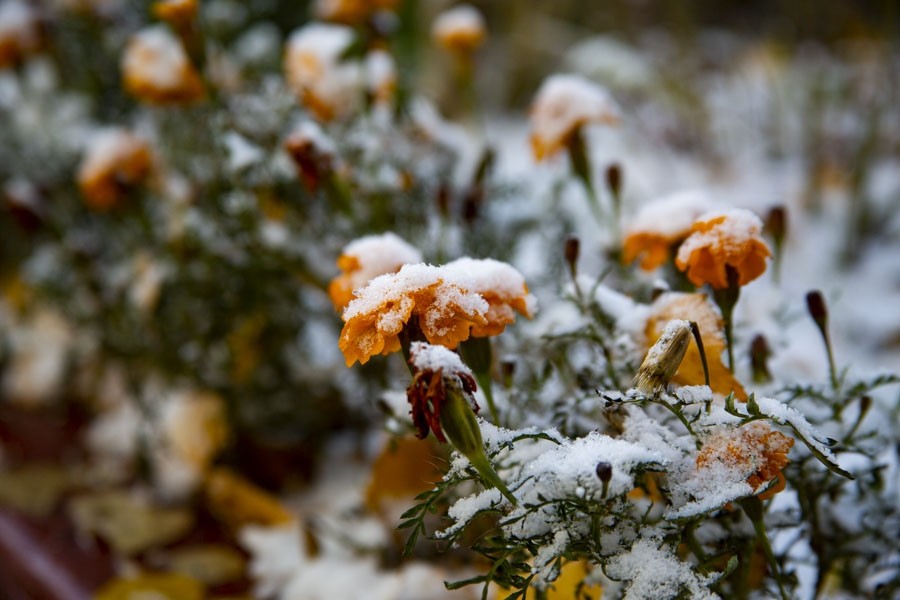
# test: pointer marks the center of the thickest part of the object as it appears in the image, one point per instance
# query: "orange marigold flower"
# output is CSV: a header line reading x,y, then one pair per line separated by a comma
x,y
350,12
115,161
659,226
501,285
177,13
157,70
731,238
330,87
366,258
697,308
564,104
449,303
756,451
20,32
460,30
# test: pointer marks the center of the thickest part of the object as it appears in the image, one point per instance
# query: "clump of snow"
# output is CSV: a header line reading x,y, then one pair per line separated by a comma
x,y
39,351
491,277
428,357
654,572
378,254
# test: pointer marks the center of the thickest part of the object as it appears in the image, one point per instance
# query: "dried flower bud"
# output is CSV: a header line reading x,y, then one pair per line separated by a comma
x,y
815,304
776,223
759,356
614,179
604,471
572,251
664,358
442,399
507,371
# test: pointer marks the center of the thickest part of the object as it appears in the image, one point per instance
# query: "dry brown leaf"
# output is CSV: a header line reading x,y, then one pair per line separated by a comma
x,y
211,564
127,523
237,502
33,489
155,586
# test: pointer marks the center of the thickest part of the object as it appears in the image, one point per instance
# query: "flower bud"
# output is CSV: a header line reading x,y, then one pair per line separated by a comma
x,y
664,358
614,179
815,304
572,251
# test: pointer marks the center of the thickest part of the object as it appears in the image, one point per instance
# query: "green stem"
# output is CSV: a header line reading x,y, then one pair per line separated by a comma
x,y
582,168
459,423
754,510
478,355
726,298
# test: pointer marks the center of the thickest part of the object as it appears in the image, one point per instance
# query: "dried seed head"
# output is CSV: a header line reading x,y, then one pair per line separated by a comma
x,y
572,251
664,358
815,304
604,471
614,178
776,223
759,356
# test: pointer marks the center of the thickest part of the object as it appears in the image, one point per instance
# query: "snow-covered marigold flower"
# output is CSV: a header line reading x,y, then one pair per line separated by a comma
x,y
350,12
436,368
447,304
730,238
327,85
459,30
755,452
116,161
20,32
500,284
660,226
366,258
156,69
563,105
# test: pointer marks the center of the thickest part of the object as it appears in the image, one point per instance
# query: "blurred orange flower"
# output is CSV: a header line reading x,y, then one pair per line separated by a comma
x,y
350,12
329,86
115,161
756,450
698,308
177,13
20,32
659,226
564,104
459,30
731,238
156,69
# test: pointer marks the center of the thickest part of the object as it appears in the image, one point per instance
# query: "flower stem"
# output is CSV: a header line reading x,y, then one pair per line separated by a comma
x,y
459,423
753,508
726,298
478,355
581,166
